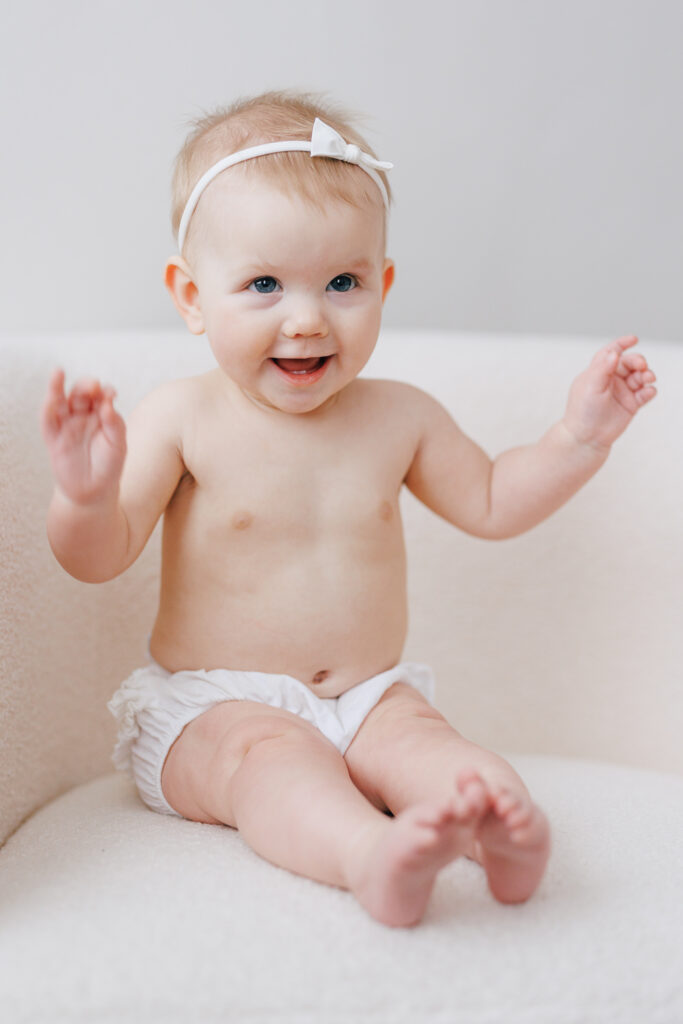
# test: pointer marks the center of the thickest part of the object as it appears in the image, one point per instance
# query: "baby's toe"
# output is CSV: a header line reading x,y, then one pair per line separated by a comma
x,y
520,823
504,800
472,797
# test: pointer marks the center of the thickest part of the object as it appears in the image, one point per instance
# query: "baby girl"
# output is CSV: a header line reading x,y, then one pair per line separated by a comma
x,y
275,700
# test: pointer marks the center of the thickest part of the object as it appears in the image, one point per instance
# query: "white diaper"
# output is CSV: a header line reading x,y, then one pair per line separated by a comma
x,y
153,707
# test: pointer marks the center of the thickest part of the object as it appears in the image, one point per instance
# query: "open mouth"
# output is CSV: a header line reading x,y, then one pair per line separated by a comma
x,y
302,370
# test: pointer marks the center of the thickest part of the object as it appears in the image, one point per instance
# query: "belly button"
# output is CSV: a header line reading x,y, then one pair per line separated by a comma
x,y
242,520
319,677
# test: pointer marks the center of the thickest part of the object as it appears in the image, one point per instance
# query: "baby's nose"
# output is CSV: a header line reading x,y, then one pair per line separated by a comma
x,y
305,319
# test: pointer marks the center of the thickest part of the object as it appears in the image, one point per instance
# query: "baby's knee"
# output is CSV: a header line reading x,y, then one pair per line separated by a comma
x,y
259,752
403,714
232,738
263,743
265,734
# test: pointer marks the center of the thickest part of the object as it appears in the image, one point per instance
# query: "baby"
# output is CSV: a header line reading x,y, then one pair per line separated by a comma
x,y
275,700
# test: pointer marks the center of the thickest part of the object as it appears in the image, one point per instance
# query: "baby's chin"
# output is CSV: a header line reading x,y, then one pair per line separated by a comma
x,y
296,405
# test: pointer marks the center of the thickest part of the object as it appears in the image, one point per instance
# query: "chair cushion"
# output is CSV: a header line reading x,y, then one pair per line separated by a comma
x,y
109,912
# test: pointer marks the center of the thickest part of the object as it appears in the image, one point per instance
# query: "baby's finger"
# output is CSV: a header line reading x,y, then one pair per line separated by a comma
x,y
631,362
645,395
55,407
625,342
85,394
603,367
86,386
638,379
55,387
112,423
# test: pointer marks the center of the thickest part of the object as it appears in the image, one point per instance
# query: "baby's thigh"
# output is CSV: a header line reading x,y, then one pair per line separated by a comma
x,y
406,751
200,764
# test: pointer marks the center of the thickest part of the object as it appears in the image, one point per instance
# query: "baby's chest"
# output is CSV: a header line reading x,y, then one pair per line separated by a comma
x,y
254,494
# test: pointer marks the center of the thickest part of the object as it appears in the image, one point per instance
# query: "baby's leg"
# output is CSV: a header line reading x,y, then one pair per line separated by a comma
x,y
288,790
276,779
406,753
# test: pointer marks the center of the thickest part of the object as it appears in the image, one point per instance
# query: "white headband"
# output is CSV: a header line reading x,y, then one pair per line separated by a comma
x,y
325,141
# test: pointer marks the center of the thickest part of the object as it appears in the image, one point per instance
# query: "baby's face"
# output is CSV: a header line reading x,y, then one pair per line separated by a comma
x,y
290,296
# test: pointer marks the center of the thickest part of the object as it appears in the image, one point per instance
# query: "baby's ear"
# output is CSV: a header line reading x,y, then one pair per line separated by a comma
x,y
180,283
387,277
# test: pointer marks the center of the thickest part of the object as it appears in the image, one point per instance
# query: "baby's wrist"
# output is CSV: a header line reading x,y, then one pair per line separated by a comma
x,y
581,440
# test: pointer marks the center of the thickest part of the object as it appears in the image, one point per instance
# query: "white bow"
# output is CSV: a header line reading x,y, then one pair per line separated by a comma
x,y
325,141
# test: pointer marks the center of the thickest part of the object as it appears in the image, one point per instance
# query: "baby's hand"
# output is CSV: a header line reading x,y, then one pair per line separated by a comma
x,y
86,439
605,397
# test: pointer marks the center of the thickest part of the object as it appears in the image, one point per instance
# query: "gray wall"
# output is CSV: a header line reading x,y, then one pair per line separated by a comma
x,y
538,150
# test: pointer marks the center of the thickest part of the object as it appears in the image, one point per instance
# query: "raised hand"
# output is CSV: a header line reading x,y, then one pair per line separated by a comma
x,y
86,439
606,396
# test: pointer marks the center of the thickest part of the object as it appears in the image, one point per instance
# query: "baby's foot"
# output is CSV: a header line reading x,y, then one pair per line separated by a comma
x,y
513,845
394,876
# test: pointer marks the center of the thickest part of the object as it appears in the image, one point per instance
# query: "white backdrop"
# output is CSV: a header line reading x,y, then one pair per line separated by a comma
x,y
538,150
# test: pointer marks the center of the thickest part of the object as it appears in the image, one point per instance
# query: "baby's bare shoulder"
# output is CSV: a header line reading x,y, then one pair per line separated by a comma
x,y
168,408
177,395
398,397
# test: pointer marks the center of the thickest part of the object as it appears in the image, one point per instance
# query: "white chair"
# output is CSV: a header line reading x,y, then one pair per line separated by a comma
x,y
561,649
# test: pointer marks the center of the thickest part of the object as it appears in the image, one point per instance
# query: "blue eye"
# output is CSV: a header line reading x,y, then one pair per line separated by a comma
x,y
342,283
264,285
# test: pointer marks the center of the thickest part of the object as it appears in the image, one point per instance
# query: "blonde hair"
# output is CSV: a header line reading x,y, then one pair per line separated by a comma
x,y
273,117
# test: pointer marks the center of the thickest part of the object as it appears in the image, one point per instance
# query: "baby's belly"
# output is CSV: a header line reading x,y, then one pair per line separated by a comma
x,y
329,625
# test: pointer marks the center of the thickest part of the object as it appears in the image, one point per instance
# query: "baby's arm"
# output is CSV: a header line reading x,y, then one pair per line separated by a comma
x,y
523,486
111,485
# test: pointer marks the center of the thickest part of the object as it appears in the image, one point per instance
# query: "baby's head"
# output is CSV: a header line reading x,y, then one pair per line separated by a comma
x,y
281,254
273,117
